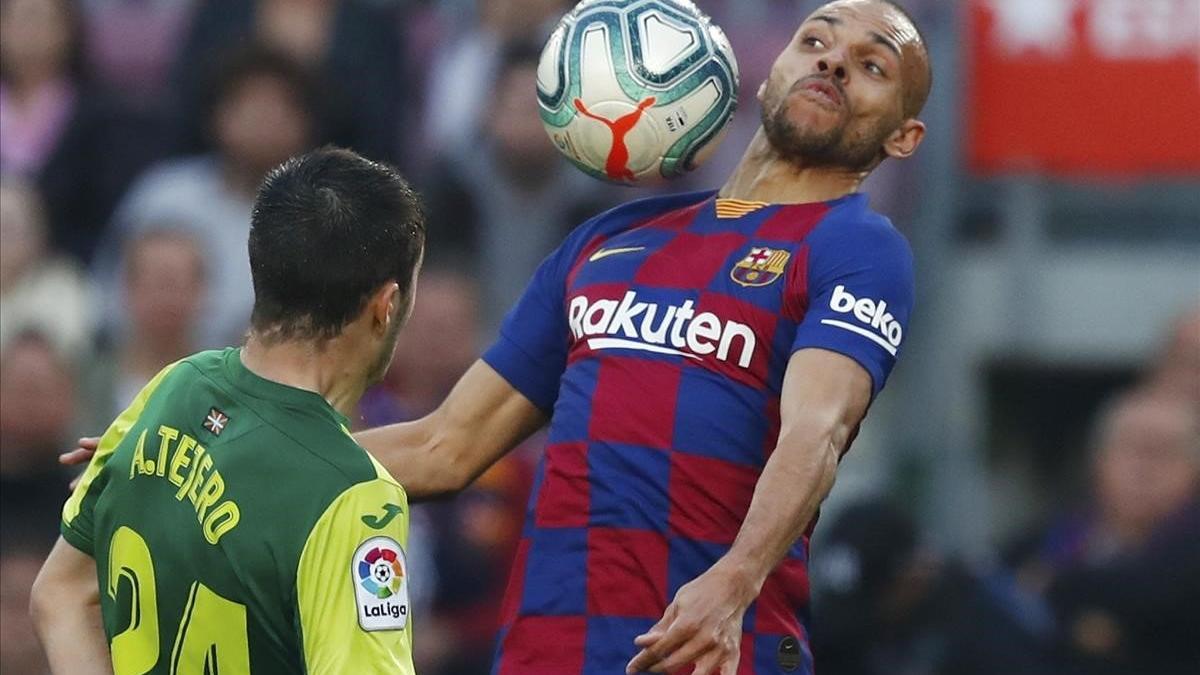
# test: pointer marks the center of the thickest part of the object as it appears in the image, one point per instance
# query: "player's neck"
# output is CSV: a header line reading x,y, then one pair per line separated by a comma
x,y
764,176
303,365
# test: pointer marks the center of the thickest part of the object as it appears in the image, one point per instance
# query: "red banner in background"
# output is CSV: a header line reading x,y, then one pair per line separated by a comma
x,y
1084,86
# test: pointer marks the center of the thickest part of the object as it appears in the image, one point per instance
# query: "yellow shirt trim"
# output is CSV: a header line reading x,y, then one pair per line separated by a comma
x,y
108,443
333,641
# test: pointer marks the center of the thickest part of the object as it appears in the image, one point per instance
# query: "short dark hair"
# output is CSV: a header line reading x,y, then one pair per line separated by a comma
x,y
328,229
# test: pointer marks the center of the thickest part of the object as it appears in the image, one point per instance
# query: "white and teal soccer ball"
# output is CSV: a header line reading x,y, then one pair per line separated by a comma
x,y
636,90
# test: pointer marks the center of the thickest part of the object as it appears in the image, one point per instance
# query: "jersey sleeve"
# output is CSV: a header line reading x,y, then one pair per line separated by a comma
x,y
859,296
78,513
352,584
531,349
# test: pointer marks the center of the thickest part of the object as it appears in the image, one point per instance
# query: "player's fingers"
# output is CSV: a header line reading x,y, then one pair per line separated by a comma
x,y
641,661
687,653
648,638
657,630
76,456
89,442
720,658
708,664
675,636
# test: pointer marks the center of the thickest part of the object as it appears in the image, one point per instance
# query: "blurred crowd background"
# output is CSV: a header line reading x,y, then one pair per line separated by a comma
x,y
1025,497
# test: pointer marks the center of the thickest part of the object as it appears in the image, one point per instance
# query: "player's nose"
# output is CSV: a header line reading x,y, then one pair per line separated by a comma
x,y
833,64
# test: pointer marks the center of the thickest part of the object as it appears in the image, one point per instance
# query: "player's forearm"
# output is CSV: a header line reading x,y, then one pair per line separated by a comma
x,y
795,481
406,451
481,420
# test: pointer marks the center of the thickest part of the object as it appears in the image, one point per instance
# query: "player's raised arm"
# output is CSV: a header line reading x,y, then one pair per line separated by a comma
x,y
483,418
65,606
825,396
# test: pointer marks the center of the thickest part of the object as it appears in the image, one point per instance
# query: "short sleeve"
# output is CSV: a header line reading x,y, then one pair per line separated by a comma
x,y
78,513
531,350
352,584
860,295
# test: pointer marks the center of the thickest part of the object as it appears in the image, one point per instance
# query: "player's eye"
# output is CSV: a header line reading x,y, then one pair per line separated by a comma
x,y
873,67
813,41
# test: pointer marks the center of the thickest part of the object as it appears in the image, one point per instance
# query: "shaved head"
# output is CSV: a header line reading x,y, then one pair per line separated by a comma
x,y
917,70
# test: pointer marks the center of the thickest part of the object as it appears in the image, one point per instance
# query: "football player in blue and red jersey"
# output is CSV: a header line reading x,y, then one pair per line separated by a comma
x,y
704,361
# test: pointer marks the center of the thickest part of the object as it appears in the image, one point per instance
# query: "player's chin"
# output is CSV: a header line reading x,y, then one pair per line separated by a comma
x,y
803,112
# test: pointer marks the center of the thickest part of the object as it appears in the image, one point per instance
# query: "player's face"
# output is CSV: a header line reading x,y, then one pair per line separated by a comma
x,y
836,93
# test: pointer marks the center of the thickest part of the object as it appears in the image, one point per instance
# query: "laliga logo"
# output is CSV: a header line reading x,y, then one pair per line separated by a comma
x,y
380,572
870,312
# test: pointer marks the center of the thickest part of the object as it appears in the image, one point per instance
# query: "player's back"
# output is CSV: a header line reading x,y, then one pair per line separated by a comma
x,y
224,512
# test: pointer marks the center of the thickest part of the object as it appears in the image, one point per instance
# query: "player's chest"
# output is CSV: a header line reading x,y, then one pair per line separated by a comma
x,y
723,299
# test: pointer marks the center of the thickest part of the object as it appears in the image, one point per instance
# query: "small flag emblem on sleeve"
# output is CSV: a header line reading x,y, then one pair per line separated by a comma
x,y
216,421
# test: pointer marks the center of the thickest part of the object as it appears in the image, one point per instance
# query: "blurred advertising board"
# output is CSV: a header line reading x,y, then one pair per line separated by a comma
x,y
1083,87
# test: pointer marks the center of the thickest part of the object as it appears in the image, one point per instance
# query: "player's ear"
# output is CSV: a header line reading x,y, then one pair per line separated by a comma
x,y
904,141
384,305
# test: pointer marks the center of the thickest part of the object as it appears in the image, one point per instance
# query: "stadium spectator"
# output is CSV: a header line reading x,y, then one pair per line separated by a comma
x,y
60,131
20,652
471,62
480,198
130,46
1177,371
262,113
885,603
39,290
353,45
37,407
163,273
39,93
1123,577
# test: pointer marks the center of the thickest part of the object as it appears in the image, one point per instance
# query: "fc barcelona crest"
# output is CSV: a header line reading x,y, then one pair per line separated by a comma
x,y
761,267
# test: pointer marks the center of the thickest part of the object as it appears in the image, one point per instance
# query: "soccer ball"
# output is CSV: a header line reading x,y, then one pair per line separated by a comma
x,y
632,91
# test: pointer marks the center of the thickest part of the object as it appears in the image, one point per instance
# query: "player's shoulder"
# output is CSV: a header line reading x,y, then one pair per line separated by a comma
x,y
633,214
315,454
301,432
852,229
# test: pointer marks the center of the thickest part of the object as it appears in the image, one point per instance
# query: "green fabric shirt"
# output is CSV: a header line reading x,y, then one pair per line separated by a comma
x,y
237,527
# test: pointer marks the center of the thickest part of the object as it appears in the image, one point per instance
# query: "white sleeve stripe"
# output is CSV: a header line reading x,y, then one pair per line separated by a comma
x,y
861,331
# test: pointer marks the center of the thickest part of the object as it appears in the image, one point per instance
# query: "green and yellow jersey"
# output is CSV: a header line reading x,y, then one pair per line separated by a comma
x,y
238,528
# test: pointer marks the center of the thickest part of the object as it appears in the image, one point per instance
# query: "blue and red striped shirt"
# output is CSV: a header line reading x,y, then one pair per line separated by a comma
x,y
657,337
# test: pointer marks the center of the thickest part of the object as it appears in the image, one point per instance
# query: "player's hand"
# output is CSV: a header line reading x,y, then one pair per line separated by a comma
x,y
702,626
80,455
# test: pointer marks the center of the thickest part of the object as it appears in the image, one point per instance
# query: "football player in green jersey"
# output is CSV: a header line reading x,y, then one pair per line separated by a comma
x,y
228,523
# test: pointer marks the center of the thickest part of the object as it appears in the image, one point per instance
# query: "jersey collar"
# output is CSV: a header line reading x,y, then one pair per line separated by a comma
x,y
259,387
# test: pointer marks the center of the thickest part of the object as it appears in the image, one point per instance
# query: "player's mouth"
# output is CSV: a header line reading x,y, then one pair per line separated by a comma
x,y
822,91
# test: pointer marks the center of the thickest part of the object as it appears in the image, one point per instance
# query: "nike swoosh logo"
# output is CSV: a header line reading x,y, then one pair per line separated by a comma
x,y
605,252
390,511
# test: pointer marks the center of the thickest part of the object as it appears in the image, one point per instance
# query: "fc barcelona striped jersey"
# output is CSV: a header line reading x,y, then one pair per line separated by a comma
x,y
657,337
